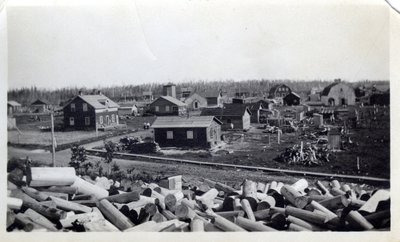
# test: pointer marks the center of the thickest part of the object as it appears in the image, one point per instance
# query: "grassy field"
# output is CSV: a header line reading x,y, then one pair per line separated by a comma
x,y
30,133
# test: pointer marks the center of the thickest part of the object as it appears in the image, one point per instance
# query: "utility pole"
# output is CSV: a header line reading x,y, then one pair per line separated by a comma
x,y
53,140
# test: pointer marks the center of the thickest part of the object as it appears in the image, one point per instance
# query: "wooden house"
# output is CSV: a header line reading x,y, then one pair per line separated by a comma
x,y
291,99
147,96
186,92
256,110
214,99
129,109
84,112
231,115
194,131
167,106
39,106
195,102
13,107
338,94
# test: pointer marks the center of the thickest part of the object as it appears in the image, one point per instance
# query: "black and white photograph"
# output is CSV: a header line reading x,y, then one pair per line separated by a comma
x,y
198,116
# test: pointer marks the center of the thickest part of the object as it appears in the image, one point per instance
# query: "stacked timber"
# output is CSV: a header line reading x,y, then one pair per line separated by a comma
x,y
55,199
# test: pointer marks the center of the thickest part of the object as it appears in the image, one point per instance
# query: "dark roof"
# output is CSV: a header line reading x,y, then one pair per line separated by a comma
x,y
39,102
213,93
293,94
184,122
254,106
172,100
327,89
233,109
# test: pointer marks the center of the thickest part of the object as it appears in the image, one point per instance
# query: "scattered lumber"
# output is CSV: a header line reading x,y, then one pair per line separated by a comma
x,y
56,199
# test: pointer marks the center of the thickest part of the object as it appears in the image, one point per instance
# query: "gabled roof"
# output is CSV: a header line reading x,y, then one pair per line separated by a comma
x,y
254,106
96,101
235,109
172,100
213,93
184,122
39,102
293,93
13,103
194,96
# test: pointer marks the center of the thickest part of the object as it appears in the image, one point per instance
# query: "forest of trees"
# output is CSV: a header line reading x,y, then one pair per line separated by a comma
x,y
27,95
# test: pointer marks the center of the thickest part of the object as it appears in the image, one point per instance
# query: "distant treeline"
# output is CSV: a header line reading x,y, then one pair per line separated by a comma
x,y
25,96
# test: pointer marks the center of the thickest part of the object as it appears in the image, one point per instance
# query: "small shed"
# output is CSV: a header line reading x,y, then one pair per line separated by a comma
x,y
13,107
318,119
255,109
39,106
194,131
148,95
214,98
127,109
291,99
334,139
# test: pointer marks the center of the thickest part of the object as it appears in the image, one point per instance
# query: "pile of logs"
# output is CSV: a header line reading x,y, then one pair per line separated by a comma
x,y
55,199
137,146
310,155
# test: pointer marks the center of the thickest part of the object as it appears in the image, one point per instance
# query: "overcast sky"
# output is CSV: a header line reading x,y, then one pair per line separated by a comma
x,y
82,43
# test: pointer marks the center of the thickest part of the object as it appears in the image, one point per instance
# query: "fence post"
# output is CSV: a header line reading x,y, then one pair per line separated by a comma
x,y
53,141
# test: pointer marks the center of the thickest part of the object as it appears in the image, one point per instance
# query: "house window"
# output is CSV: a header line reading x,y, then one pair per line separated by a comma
x,y
84,107
157,108
211,133
87,120
170,134
72,107
101,120
189,134
107,120
116,117
175,108
71,121
112,118
167,108
196,105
